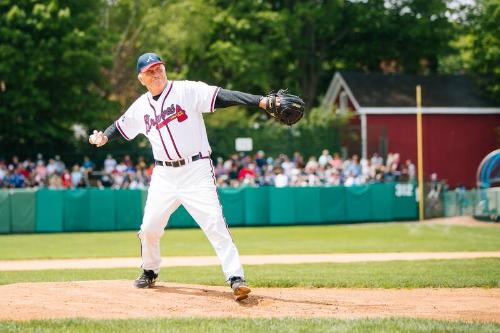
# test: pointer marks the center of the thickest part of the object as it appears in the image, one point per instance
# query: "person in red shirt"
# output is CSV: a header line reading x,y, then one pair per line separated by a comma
x,y
66,179
247,172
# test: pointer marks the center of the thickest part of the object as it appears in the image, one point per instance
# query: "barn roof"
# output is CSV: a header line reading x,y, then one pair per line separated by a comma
x,y
376,90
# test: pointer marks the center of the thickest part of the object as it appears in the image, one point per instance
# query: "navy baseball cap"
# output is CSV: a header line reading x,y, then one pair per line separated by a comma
x,y
147,60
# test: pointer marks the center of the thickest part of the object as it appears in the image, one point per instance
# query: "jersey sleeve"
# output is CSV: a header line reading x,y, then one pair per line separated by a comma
x,y
129,124
204,96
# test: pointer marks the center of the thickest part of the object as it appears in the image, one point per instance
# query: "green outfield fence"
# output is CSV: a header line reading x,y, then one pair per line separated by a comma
x,y
44,210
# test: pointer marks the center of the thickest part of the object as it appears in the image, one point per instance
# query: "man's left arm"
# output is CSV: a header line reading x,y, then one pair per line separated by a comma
x,y
285,107
226,98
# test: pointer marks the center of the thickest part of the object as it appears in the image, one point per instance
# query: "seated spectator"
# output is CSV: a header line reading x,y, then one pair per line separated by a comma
x,y
87,164
109,164
55,181
298,160
352,167
411,170
219,167
105,181
66,179
325,158
296,176
137,182
377,160
353,180
233,175
260,160
59,165
16,178
336,161
246,175
332,177
280,179
286,165
141,163
311,178
404,177
40,174
268,177
76,176
380,174
312,165
121,167
51,167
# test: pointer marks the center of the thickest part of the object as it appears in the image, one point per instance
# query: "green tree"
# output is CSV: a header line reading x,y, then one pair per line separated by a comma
x,y
315,31
247,45
405,36
179,31
51,58
486,46
475,49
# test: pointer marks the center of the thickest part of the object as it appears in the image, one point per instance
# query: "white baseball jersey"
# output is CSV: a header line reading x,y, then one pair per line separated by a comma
x,y
174,123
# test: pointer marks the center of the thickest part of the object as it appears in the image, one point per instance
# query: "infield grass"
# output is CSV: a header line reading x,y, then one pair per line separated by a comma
x,y
247,325
357,238
391,274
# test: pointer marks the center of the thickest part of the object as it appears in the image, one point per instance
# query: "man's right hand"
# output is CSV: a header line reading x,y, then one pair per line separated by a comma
x,y
98,138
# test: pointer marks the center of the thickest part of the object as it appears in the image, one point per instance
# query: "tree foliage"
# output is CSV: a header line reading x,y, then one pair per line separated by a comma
x,y
51,57
398,35
312,134
486,46
64,62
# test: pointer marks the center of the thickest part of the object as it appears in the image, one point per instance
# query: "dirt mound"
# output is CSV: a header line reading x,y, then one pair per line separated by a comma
x,y
118,299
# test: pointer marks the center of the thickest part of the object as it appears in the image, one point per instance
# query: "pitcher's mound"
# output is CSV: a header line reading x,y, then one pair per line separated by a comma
x,y
119,299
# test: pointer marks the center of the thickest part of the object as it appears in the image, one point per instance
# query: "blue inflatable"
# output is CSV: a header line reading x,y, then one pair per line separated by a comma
x,y
488,173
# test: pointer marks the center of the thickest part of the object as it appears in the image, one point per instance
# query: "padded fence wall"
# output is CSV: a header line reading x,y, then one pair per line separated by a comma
x,y
46,210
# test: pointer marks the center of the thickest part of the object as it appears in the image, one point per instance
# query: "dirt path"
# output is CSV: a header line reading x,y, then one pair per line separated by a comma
x,y
118,299
20,265
461,220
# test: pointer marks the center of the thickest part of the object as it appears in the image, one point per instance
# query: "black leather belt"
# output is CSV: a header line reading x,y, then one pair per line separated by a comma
x,y
179,163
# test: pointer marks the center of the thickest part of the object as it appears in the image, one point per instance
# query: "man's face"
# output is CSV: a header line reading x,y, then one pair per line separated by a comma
x,y
154,78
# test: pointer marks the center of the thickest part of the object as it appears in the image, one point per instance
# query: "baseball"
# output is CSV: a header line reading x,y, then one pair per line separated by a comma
x,y
95,139
98,139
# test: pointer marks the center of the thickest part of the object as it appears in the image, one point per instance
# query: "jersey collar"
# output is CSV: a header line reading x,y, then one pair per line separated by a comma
x,y
162,96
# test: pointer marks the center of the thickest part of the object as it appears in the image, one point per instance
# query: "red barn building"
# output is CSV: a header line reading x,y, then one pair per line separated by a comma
x,y
460,126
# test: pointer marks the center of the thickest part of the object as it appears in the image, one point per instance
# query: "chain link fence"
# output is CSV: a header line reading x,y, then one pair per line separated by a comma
x,y
483,204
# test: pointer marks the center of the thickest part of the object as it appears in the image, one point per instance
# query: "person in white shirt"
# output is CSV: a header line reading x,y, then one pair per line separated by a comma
x,y
325,158
109,164
280,180
170,115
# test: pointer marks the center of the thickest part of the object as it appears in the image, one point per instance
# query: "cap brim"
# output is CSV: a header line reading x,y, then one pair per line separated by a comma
x,y
145,68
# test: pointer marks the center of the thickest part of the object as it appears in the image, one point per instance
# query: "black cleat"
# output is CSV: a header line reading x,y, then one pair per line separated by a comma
x,y
146,280
240,288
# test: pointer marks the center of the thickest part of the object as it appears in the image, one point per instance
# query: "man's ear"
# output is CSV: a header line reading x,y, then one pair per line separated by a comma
x,y
139,76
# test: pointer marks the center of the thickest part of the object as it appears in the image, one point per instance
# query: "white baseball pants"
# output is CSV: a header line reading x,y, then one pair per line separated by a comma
x,y
192,185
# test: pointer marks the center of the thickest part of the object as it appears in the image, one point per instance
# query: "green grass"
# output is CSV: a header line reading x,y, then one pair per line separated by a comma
x,y
393,274
383,237
289,325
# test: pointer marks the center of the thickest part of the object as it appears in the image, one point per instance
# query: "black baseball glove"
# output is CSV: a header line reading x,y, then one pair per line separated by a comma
x,y
289,110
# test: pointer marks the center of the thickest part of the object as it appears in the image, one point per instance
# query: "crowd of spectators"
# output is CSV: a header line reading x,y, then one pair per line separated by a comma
x,y
326,170
238,170
55,174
